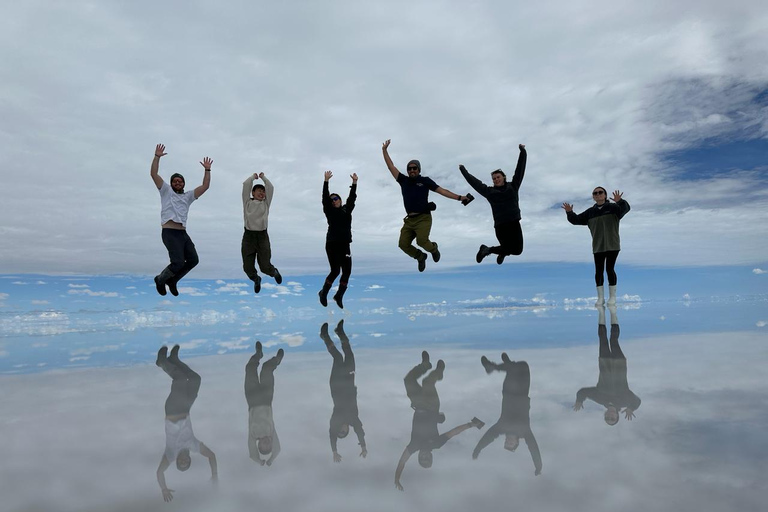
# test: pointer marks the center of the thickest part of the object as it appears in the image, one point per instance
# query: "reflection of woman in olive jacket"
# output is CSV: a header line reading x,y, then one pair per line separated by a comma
x,y
612,390
515,420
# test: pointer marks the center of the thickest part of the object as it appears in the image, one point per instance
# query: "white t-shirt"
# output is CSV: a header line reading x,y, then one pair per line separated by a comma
x,y
174,206
178,436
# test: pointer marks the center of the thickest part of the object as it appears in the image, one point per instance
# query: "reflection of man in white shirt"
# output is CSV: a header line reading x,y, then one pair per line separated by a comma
x,y
259,391
173,217
180,440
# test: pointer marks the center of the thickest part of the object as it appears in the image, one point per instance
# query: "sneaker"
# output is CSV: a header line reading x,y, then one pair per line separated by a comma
x,y
487,365
172,288
436,254
482,253
425,359
422,262
477,423
174,352
500,258
338,298
160,286
278,277
162,355
257,284
259,351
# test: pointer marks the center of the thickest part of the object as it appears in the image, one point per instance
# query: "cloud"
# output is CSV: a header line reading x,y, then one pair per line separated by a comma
x,y
91,293
761,323
374,287
191,291
40,302
3,296
758,271
78,285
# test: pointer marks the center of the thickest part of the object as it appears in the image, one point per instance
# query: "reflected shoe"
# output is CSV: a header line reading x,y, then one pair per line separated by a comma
x,y
259,351
162,355
489,366
256,283
611,295
278,277
482,253
436,254
422,262
174,352
324,332
500,258
600,297
477,423
279,356
339,330
440,368
425,359
505,357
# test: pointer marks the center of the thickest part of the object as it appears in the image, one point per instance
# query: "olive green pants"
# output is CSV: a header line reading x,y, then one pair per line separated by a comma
x,y
418,227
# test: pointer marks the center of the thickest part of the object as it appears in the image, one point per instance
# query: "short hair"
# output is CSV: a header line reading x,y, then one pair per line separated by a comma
x,y
611,419
499,171
258,186
265,445
183,460
343,431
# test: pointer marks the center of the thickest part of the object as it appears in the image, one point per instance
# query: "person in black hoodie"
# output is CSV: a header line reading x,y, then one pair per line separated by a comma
x,y
505,206
515,420
612,390
337,240
343,391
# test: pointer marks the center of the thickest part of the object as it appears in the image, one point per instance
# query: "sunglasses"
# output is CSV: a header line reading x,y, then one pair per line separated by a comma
x,y
598,193
413,168
335,198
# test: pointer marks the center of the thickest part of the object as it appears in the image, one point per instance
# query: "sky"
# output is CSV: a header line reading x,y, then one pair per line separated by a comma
x,y
665,101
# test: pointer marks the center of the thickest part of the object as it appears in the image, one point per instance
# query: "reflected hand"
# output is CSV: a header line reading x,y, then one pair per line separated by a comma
x,y
577,406
364,453
617,196
567,207
167,495
160,150
207,163
336,457
629,414
269,462
398,486
537,472
262,462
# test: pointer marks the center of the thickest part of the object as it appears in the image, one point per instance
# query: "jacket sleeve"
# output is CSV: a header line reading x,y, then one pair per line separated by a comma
x,y
480,187
270,190
247,186
623,208
581,219
517,180
326,196
351,198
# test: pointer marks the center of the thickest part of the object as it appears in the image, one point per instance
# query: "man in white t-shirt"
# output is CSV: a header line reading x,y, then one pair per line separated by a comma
x,y
180,440
259,391
173,217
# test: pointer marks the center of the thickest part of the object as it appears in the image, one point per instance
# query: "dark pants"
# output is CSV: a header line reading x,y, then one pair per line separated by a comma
x,y
510,236
604,262
260,391
423,396
184,388
340,260
256,246
181,251
610,350
518,378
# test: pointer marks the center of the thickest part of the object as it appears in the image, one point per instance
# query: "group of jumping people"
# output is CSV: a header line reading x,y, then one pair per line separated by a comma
x,y
503,196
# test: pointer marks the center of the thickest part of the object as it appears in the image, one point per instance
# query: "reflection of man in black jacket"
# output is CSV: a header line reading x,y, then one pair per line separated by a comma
x,y
515,419
343,391
612,390
425,403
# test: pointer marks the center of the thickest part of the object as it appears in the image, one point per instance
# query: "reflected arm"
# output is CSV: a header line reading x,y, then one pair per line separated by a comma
x,y
208,454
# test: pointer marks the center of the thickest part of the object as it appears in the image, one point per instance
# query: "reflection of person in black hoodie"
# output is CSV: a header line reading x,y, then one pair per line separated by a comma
x,y
343,391
425,403
515,420
612,390
505,206
259,392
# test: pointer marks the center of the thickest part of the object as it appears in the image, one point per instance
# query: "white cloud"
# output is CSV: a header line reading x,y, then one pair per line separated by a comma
x,y
232,288
191,291
761,323
290,339
374,287
40,302
78,285
91,293
20,283
3,296
758,271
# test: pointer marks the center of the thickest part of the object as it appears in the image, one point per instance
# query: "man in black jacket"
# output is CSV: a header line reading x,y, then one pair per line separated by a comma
x,y
505,206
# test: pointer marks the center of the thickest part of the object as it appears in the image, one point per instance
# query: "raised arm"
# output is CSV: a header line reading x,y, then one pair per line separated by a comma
x,y
167,493
400,466
269,189
206,163
248,186
352,197
388,160
327,203
155,167
622,205
208,454
475,183
517,179
577,220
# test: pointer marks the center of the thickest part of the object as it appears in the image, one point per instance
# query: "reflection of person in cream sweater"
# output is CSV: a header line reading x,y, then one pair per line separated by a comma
x,y
255,246
259,391
515,420
612,390
180,440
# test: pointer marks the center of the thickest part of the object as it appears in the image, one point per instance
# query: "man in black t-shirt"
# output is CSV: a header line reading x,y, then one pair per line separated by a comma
x,y
418,221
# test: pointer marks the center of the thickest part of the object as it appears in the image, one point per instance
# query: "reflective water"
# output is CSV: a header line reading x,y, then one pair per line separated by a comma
x,y
689,407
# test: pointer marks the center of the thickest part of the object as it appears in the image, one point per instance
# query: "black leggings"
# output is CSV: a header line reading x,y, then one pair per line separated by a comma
x,y
340,260
510,236
604,262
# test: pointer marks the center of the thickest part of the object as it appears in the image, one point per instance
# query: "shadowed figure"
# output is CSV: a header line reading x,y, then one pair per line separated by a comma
x,y
343,391
612,390
180,440
515,419
425,403
259,391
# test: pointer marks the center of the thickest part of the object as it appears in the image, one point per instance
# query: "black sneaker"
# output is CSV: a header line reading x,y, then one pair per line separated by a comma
x,y
422,262
487,365
172,288
257,284
338,298
436,254
500,258
482,253
160,286
162,355
425,359
323,294
278,277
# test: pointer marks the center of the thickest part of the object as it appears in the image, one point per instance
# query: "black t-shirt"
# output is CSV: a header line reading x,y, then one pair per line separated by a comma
x,y
424,434
415,192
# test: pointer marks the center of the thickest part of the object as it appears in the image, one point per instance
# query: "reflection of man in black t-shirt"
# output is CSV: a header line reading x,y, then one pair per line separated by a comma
x,y
425,403
612,390
515,420
343,391
418,221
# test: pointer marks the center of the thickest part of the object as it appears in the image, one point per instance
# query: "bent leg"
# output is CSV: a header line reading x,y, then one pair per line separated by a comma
x,y
407,234
248,252
174,241
264,254
422,229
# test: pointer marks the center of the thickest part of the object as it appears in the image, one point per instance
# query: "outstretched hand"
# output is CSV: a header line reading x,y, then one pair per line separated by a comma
x,y
629,414
168,495
207,163
336,457
327,175
567,207
617,196
354,177
577,406
160,150
385,145
399,487
521,146
364,453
